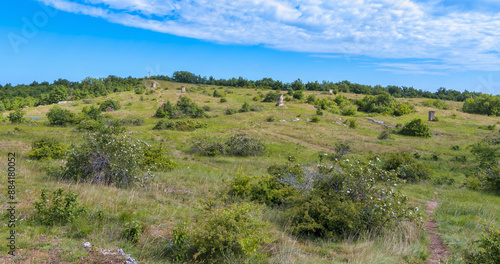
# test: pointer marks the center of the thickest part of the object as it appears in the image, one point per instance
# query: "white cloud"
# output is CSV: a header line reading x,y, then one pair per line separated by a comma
x,y
460,40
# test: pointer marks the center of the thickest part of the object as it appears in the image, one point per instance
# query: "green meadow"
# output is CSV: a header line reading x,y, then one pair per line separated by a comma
x,y
179,195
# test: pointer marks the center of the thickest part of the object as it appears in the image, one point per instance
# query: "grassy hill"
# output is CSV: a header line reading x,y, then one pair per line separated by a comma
x,y
178,195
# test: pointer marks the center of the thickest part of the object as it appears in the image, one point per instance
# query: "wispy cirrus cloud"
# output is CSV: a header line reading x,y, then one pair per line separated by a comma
x,y
456,37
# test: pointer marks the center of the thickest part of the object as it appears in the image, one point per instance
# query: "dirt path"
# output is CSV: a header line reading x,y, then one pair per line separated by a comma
x,y
298,141
437,248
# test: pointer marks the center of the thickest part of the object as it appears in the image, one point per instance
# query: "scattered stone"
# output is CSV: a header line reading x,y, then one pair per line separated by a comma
x,y
296,119
154,84
62,102
330,91
283,120
86,244
183,89
280,100
109,109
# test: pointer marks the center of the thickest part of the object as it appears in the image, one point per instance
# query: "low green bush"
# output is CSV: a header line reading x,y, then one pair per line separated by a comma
x,y
60,117
271,119
16,116
344,201
115,105
315,119
155,158
47,149
185,107
234,230
416,128
486,250
133,231
406,166
90,125
230,111
57,208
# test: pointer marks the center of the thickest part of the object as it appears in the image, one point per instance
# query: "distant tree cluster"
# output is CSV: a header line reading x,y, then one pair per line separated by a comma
x,y
44,93
343,86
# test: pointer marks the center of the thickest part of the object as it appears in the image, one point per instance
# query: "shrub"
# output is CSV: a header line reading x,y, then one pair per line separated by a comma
x,y
16,116
298,95
344,201
235,230
271,97
271,119
243,145
47,149
406,166
271,190
348,111
315,119
133,231
383,103
60,117
57,207
206,108
319,112
178,125
311,99
92,113
230,111
256,98
184,107
156,159
385,134
487,153
106,158
488,248
90,125
416,128
351,123
342,148
109,103
245,108
223,100
484,105
217,93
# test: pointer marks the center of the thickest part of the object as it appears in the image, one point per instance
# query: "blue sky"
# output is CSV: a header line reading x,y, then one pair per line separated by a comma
x,y
426,44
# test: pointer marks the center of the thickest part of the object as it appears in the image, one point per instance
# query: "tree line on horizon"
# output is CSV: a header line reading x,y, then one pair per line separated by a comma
x,y
44,93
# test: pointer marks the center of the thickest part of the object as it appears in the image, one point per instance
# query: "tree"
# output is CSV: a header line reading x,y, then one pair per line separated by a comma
x,y
298,85
59,93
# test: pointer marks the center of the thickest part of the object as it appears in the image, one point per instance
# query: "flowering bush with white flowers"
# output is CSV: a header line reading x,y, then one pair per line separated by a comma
x,y
344,199
109,159
348,199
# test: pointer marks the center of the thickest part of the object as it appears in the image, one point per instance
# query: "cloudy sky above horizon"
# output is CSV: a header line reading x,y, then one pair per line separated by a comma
x,y
422,43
